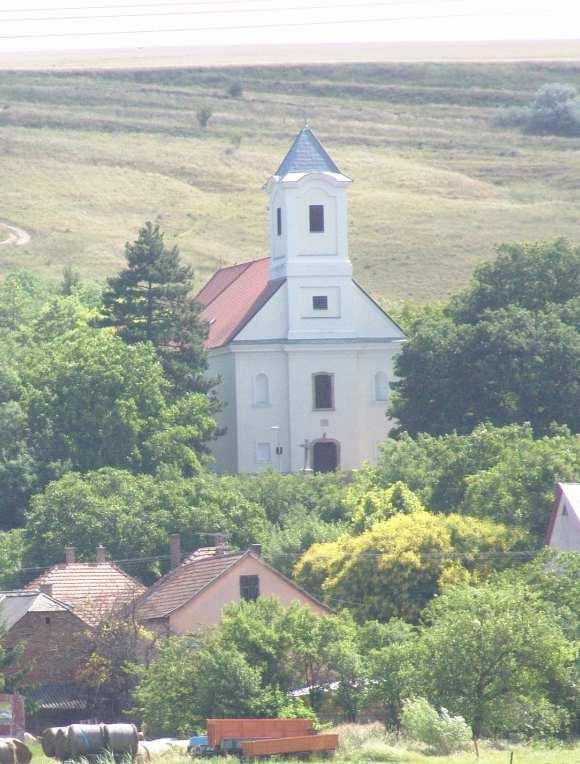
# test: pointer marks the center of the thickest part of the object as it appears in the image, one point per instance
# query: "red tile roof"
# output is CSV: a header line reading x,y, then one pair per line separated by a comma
x,y
92,589
183,583
233,296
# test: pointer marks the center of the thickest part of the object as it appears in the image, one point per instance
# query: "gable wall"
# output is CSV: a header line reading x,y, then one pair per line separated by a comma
x,y
566,531
206,609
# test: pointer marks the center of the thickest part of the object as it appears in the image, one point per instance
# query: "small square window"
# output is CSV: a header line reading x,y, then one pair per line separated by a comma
x,y
250,588
316,218
279,221
263,452
320,302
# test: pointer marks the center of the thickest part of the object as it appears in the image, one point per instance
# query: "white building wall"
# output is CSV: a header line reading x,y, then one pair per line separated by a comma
x,y
565,535
221,364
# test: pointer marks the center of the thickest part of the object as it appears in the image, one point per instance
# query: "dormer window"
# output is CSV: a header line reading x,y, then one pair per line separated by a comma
x,y
320,302
279,221
316,212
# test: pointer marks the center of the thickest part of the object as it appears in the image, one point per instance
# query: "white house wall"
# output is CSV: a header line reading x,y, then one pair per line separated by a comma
x,y
221,364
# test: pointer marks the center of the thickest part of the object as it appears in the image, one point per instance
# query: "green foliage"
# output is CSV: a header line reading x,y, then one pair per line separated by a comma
x,y
11,558
398,565
507,350
150,301
555,111
132,516
442,733
502,473
490,653
235,89
371,506
204,114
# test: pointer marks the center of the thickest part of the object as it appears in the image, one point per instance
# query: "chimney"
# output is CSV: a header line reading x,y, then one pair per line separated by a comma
x,y
101,554
175,550
46,589
256,549
69,554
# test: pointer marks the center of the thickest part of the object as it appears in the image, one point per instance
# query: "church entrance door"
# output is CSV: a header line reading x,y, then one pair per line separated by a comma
x,y
325,456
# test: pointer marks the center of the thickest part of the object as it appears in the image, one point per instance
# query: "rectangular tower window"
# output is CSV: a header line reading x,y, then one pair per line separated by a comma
x,y
320,302
250,588
316,218
279,221
323,393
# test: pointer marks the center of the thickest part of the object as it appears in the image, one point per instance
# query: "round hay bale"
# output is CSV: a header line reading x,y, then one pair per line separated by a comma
x,y
61,746
121,738
7,751
143,755
23,752
85,739
48,741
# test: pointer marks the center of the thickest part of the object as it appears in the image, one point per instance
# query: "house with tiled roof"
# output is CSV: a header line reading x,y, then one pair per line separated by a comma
x,y
91,589
194,593
563,531
303,354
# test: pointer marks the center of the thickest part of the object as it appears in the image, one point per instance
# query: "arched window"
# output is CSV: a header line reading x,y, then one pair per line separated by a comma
x,y
381,386
262,390
323,391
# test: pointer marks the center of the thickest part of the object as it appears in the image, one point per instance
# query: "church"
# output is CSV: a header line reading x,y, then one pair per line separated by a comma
x,y
304,355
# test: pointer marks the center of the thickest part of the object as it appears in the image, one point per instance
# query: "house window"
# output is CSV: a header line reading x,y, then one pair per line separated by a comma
x,y
316,218
47,620
263,452
323,392
262,390
381,386
279,221
250,588
320,302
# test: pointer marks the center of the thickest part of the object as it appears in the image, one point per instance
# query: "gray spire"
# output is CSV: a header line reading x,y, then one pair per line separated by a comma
x,y
306,155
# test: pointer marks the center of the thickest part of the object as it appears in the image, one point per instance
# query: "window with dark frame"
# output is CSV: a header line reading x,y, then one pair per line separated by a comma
x,y
250,588
316,218
320,302
279,221
323,392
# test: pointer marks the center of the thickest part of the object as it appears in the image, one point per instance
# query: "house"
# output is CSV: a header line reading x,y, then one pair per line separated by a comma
x,y
92,589
193,594
304,354
563,532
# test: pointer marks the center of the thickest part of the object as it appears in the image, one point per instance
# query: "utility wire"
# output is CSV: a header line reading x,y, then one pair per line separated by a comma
x,y
131,5
243,10
278,25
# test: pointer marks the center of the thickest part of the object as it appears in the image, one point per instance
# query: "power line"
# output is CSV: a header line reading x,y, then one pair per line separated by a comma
x,y
131,5
278,25
243,10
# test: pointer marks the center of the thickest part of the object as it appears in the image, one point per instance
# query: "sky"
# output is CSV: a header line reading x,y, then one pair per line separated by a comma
x,y
37,25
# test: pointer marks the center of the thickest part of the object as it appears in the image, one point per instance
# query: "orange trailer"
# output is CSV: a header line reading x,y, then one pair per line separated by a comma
x,y
303,744
219,730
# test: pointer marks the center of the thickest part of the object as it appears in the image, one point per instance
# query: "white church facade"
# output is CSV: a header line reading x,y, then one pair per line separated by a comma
x,y
304,355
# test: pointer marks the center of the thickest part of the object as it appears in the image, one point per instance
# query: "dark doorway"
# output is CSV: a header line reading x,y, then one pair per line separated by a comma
x,y
325,456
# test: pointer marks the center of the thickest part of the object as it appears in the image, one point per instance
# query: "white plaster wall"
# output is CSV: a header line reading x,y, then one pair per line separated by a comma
x,y
224,449
271,322
566,532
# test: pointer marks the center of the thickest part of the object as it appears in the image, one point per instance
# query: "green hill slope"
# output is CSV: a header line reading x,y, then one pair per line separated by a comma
x,y
86,158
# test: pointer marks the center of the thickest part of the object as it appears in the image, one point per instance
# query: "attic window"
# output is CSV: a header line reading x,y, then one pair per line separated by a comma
x,y
279,221
320,302
249,588
316,218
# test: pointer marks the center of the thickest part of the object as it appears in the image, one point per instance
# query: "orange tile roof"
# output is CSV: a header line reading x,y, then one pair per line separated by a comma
x,y
233,296
183,583
92,589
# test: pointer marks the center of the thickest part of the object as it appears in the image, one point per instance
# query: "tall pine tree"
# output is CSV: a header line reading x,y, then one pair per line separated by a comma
x,y
150,301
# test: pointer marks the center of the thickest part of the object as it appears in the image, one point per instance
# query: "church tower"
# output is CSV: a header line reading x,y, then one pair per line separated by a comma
x,y
308,224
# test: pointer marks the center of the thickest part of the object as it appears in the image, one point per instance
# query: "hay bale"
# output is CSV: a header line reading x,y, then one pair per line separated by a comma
x,y
61,744
48,740
7,751
23,752
85,740
29,739
143,756
121,738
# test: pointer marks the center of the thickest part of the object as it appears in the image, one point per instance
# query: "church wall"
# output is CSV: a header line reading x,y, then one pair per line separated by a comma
x,y
256,419
224,449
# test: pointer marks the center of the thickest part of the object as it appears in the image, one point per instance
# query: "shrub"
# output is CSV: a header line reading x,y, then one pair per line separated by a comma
x,y
555,111
204,115
235,89
444,734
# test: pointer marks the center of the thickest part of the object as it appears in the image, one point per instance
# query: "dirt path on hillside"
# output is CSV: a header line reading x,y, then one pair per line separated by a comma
x,y
16,237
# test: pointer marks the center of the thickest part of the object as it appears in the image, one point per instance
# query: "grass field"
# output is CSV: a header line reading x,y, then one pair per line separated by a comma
x,y
87,157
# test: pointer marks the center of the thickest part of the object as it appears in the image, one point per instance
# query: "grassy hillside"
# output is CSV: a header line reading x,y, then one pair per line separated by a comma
x,y
87,157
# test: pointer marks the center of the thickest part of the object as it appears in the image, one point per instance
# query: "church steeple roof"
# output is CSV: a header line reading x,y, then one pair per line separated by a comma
x,y
306,154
